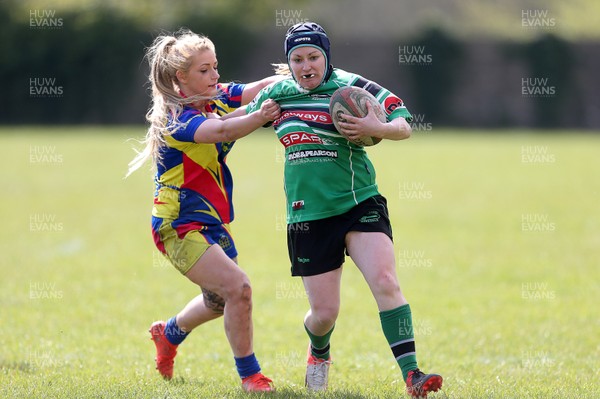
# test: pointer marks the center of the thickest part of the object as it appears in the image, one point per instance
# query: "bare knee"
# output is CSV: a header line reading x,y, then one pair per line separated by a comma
x,y
386,284
238,289
245,292
325,314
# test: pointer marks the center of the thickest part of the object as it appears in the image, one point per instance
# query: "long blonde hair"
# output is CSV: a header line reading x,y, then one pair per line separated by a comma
x,y
168,54
282,69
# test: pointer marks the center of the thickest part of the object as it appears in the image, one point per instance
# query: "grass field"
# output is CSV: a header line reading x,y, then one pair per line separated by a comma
x,y
498,249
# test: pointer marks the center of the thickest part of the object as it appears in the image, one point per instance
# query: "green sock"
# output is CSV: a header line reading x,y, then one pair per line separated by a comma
x,y
398,329
319,345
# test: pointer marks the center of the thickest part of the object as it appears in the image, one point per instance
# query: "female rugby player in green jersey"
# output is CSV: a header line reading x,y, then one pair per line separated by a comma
x,y
192,201
333,203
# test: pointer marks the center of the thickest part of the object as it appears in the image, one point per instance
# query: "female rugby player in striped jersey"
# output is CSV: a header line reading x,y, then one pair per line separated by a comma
x,y
333,203
192,201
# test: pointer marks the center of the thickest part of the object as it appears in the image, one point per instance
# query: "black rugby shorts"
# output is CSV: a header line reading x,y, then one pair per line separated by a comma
x,y
319,246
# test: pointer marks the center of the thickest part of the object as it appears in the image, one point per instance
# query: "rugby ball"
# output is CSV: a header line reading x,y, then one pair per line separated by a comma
x,y
351,100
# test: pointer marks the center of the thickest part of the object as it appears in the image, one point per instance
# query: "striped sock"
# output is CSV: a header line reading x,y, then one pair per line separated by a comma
x,y
319,344
398,330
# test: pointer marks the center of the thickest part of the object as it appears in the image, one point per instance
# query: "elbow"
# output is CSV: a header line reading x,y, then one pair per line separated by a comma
x,y
403,129
215,133
225,132
407,131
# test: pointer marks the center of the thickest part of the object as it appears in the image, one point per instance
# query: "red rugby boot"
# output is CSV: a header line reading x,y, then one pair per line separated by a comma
x,y
165,351
257,383
419,384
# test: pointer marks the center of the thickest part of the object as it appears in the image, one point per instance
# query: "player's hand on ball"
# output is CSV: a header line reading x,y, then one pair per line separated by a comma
x,y
355,128
270,110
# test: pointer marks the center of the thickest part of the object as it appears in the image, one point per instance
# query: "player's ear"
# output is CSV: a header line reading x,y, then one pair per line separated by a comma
x,y
181,76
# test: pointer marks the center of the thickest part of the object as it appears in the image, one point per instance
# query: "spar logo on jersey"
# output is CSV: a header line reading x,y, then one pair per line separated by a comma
x,y
391,103
307,116
296,138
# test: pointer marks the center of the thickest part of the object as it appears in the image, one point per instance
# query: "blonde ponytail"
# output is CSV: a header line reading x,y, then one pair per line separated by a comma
x,y
282,69
167,55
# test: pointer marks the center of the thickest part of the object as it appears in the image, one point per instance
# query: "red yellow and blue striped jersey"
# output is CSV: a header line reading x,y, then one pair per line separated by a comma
x,y
193,185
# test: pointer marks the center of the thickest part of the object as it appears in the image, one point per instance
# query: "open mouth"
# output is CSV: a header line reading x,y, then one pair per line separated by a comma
x,y
308,76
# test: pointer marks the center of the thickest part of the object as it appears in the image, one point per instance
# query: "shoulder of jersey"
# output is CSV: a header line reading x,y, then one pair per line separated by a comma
x,y
345,76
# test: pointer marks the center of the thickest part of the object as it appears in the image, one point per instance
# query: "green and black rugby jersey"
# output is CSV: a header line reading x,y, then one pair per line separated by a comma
x,y
325,174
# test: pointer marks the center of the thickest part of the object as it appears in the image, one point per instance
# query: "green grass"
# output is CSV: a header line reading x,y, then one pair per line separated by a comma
x,y
498,257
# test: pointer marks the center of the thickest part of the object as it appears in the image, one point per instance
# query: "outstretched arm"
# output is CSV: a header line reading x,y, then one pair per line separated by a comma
x,y
252,89
218,130
241,111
